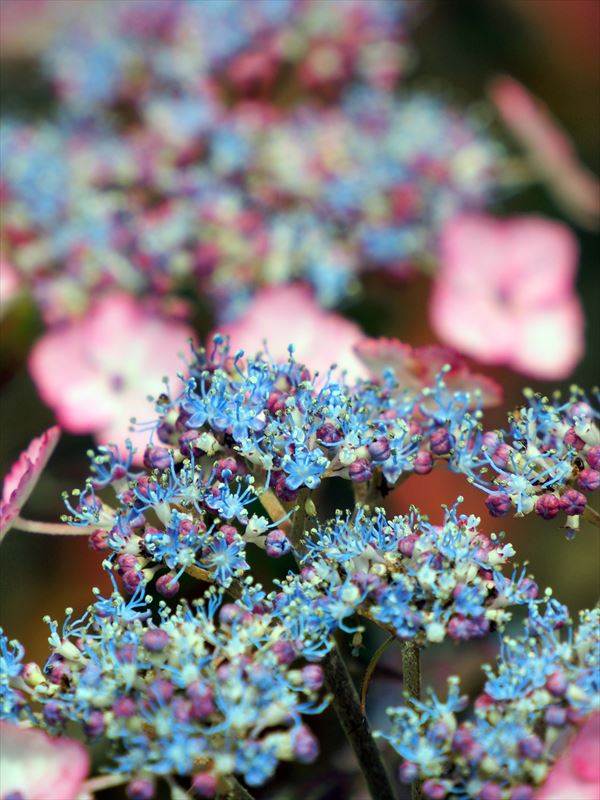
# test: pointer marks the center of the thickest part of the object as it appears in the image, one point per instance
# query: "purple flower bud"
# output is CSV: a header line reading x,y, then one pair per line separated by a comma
x,y
462,740
408,772
589,480
132,579
204,785
406,545
98,541
282,490
201,696
276,401
379,449
312,677
305,745
277,544
498,504
160,691
555,716
124,707
164,432
60,673
127,561
284,651
157,458
181,709
187,442
571,439
573,502
501,455
522,793
166,585
140,789
490,791
52,713
360,470
531,747
557,683
547,506
529,588
226,464
228,613
94,724
155,640
329,433
440,441
423,463
434,790
593,457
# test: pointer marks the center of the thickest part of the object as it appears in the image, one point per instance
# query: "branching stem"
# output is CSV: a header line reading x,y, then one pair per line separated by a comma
x,y
411,672
51,528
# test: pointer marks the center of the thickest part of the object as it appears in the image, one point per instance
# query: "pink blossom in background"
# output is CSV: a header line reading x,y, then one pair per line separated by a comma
x,y
505,294
36,766
576,775
549,148
9,283
23,476
96,372
417,367
289,314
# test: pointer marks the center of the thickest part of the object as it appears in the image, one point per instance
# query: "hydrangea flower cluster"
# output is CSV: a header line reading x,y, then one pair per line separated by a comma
x,y
202,693
248,429
248,435
140,50
544,683
548,460
419,581
205,690
249,199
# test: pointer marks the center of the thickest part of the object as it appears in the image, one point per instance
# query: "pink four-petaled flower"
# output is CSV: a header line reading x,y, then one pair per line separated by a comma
x,y
576,775
505,294
97,372
36,766
289,314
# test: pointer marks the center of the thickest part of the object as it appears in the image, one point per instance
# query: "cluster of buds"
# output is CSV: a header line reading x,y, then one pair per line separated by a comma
x,y
204,691
111,61
420,581
247,429
547,462
544,684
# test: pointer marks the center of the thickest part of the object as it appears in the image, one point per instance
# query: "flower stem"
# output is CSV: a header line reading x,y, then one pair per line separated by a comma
x,y
346,701
356,726
592,516
411,672
370,670
51,528
237,791
103,782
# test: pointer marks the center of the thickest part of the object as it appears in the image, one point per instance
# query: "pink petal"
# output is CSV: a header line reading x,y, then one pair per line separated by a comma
x,y
418,367
96,372
551,341
284,315
549,148
23,476
40,767
505,293
576,775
